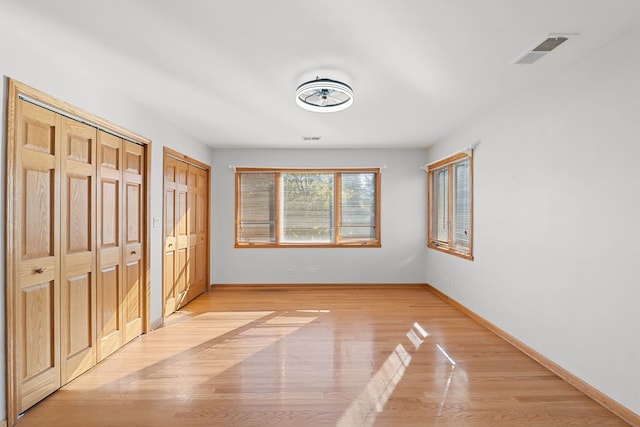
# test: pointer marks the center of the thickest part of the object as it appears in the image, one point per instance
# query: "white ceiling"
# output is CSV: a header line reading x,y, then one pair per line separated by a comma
x,y
225,72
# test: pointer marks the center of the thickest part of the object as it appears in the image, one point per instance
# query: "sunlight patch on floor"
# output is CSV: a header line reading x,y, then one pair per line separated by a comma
x,y
372,400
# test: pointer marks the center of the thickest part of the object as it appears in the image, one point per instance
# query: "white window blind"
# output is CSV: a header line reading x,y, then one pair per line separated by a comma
x,y
450,205
256,208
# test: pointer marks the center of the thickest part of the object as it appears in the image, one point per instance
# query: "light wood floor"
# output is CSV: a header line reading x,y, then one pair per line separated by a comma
x,y
316,356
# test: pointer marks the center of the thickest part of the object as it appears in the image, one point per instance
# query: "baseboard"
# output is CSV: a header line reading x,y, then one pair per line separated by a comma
x,y
326,285
623,412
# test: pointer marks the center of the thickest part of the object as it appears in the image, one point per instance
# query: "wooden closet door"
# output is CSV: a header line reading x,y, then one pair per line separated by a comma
x,y
183,260
78,256
202,230
133,301
36,248
170,242
186,230
197,224
110,322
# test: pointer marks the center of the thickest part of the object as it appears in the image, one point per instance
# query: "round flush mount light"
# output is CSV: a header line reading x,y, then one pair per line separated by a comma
x,y
324,95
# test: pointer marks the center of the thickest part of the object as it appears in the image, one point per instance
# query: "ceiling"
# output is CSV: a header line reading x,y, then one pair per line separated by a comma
x,y
225,72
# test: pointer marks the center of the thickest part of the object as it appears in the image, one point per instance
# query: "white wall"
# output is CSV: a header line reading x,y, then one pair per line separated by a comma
x,y
403,216
556,216
29,58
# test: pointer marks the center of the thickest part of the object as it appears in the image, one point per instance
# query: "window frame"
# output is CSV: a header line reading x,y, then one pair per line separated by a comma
x,y
449,163
338,242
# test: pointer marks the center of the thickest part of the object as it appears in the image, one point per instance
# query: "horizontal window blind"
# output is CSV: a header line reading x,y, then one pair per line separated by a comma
x,y
450,205
256,208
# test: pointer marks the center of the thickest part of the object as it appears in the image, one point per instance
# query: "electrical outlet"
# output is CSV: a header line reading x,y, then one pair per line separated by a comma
x,y
291,270
313,270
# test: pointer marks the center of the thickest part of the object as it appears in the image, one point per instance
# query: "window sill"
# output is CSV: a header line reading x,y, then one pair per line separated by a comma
x,y
309,245
447,250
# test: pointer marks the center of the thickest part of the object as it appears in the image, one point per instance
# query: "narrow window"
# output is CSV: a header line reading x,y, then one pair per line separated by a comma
x,y
358,217
450,205
256,208
307,207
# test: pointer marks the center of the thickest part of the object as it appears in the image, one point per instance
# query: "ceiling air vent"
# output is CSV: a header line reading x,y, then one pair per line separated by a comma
x,y
541,50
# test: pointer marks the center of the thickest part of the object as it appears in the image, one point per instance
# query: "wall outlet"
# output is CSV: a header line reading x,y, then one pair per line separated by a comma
x,y
291,270
313,270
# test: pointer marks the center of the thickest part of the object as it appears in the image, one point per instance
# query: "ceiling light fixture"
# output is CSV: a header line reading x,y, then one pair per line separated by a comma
x,y
324,95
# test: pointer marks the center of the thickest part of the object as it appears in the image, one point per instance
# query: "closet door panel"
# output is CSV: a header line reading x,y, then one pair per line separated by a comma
x,y
169,276
37,304
202,230
183,235
110,322
78,257
78,345
108,307
133,297
197,233
169,283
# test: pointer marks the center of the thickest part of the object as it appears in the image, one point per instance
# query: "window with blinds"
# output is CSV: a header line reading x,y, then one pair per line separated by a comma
x,y
450,205
307,207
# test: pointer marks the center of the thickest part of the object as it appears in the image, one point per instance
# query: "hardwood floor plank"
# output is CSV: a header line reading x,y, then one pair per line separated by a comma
x,y
319,355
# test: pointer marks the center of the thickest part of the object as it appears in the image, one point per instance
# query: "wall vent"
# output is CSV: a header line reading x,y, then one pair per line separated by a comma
x,y
541,50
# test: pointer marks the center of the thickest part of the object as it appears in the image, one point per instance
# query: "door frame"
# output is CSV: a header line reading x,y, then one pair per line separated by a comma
x,y
17,91
168,152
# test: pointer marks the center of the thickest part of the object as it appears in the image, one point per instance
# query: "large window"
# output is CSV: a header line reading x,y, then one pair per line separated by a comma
x,y
307,207
451,205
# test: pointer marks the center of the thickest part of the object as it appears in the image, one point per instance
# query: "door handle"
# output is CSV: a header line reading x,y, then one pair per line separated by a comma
x,y
39,270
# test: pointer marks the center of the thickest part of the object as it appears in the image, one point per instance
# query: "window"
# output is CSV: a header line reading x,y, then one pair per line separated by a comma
x,y
450,205
307,207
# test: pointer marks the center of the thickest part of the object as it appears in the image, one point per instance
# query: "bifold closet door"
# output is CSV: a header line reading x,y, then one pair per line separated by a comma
x,y
133,200
120,301
109,237
56,335
183,257
78,249
198,214
177,236
186,232
76,236
36,246
169,276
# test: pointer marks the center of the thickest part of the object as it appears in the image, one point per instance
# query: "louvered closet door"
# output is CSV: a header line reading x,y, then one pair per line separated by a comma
x,y
110,320
78,256
37,231
134,170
